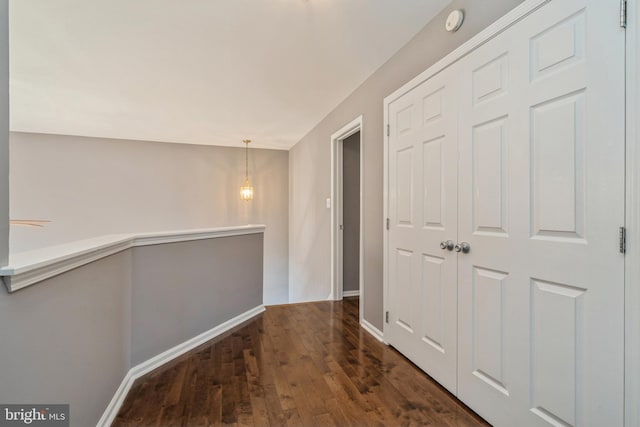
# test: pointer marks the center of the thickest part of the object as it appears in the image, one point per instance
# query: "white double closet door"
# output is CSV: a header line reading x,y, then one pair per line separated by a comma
x,y
518,150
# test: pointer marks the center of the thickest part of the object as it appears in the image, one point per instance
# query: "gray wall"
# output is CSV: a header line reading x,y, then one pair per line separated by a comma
x,y
351,213
4,132
72,338
66,340
93,186
180,290
309,160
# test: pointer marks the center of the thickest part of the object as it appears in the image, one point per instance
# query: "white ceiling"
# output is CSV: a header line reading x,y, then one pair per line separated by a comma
x,y
200,71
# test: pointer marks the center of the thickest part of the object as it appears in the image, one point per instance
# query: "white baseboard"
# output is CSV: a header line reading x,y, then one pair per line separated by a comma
x,y
355,293
116,401
377,333
159,360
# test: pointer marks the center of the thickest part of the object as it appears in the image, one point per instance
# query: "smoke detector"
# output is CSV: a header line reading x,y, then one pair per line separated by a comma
x,y
454,20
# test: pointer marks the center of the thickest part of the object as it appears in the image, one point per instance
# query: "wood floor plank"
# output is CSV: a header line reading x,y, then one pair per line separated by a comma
x,y
295,365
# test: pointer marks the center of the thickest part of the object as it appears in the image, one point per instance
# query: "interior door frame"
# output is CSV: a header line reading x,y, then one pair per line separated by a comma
x,y
632,266
337,140
632,181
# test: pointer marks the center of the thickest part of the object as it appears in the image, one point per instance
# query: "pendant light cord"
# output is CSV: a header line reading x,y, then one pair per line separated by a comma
x,y
246,158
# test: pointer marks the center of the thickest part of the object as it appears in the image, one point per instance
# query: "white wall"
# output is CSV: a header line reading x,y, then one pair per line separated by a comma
x,y
94,186
4,132
309,160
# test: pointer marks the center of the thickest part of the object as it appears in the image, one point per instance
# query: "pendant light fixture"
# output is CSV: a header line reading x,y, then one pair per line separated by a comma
x,y
246,191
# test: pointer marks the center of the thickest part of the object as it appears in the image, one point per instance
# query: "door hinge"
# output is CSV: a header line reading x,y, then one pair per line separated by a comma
x,y
386,317
623,240
388,130
387,223
623,13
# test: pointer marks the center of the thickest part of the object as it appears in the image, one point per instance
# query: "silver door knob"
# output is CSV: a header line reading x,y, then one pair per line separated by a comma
x,y
463,247
447,245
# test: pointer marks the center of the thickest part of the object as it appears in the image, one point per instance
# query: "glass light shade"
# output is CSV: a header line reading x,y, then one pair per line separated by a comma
x,y
246,191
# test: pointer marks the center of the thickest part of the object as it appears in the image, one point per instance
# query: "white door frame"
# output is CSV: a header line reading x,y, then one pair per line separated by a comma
x,y
632,259
337,140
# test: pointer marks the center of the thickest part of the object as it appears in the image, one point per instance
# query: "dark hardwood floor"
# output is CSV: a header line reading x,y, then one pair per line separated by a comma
x,y
301,365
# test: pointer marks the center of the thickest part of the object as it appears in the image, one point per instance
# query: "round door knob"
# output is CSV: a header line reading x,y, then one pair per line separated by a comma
x,y
447,245
463,247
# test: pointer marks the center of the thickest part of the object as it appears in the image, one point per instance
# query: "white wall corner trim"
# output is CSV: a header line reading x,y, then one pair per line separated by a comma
x,y
348,294
155,362
28,268
4,132
632,266
377,333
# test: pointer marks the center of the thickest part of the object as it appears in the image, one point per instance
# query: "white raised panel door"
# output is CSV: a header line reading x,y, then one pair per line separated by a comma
x,y
541,198
422,298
